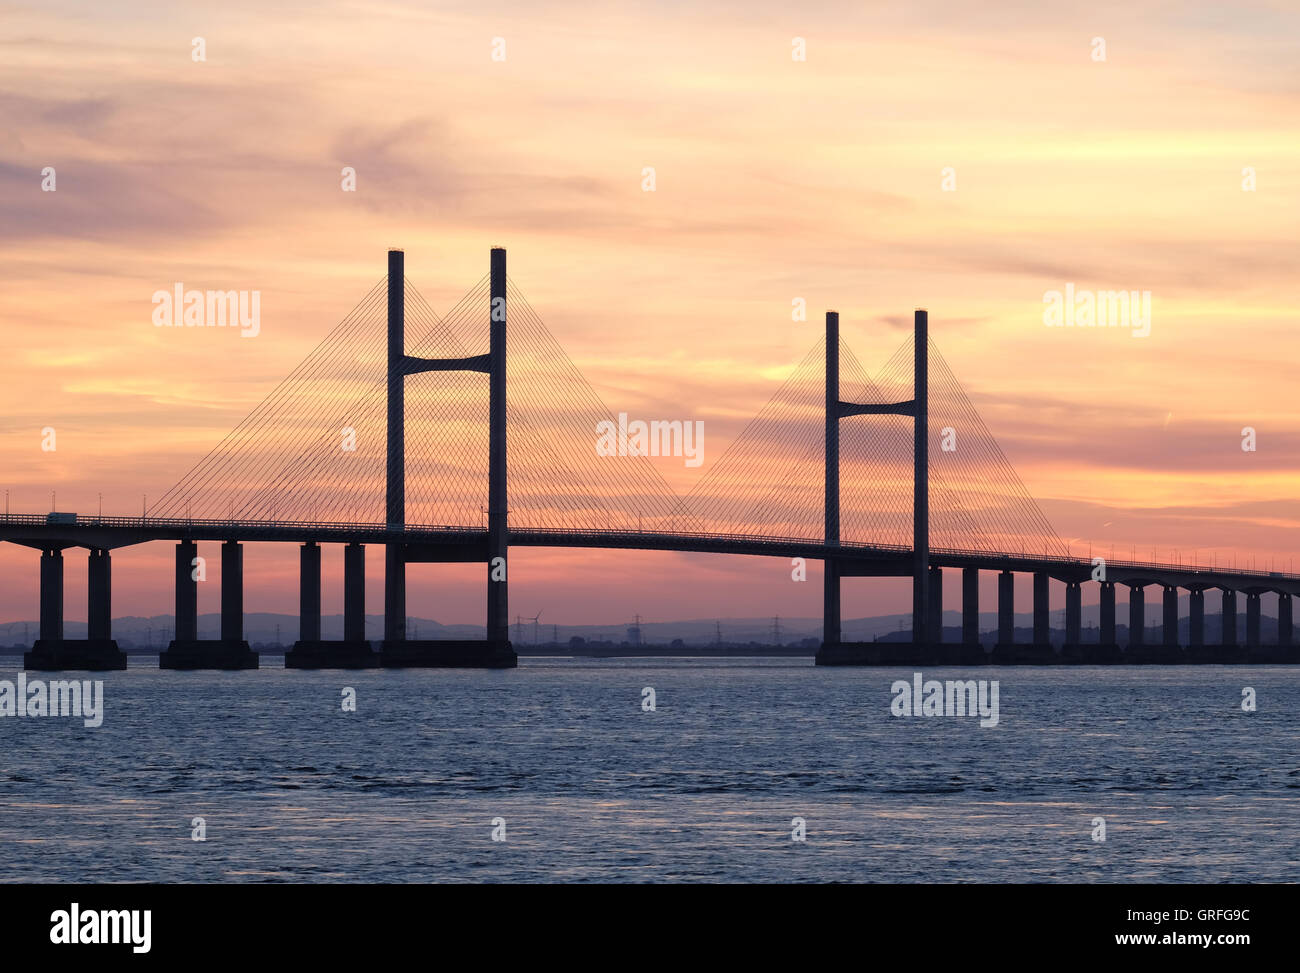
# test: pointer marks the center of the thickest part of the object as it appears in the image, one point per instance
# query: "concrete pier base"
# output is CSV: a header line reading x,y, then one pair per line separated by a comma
x,y
899,654
1091,653
207,654
91,655
447,654
1270,655
337,654
1024,654
1154,654
1214,654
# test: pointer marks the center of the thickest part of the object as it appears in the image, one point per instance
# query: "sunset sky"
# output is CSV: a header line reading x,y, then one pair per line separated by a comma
x,y
776,179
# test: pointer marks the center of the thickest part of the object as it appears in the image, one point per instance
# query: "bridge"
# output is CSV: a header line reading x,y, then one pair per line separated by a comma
x,y
309,464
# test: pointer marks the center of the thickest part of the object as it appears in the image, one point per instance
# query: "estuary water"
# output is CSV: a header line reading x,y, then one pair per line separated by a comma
x,y
585,784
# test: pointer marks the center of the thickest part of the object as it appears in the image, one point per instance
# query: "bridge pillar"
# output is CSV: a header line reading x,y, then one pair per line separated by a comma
x,y
1006,608
395,492
934,624
831,634
1169,628
1042,624
232,591
920,477
1196,618
1283,618
1107,615
498,590
1136,616
353,651
52,652
1073,612
832,651
99,601
187,651
309,592
1252,619
394,593
970,606
187,592
831,602
354,593
1228,626
52,596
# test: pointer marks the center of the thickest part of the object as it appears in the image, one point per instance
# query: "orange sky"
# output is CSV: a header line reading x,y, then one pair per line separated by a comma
x,y
775,179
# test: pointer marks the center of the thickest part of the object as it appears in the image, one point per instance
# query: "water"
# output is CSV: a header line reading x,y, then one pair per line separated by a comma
x,y
592,788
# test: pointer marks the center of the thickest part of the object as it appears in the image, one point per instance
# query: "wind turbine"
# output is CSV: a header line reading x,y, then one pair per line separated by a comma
x,y
534,621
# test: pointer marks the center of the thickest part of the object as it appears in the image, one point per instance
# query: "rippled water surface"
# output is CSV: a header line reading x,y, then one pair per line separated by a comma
x,y
705,788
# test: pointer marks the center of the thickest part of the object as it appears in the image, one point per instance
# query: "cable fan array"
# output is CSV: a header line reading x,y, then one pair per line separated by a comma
x,y
314,450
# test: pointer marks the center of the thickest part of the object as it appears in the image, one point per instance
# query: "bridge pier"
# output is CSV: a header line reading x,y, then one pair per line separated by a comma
x,y
1169,623
1042,624
52,596
354,593
309,592
1228,616
310,651
1283,619
1252,619
189,652
394,594
1072,650
1006,608
1196,618
1107,615
97,652
1107,649
1256,651
99,599
1137,618
1004,650
831,602
1042,650
187,592
935,620
970,606
1225,650
1168,651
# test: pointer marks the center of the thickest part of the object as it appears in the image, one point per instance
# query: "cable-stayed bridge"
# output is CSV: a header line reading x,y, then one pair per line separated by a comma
x,y
400,430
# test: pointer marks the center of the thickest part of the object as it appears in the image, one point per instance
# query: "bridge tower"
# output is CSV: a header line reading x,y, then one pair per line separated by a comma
x,y
927,616
398,651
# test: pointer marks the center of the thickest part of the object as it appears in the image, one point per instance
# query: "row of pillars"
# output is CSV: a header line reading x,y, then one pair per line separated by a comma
x,y
99,602
1074,612
99,593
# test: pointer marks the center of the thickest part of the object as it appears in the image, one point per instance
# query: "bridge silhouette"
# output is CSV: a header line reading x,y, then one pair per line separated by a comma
x,y
821,473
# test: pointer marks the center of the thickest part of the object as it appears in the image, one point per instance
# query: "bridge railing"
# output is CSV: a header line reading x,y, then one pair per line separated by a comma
x,y
82,520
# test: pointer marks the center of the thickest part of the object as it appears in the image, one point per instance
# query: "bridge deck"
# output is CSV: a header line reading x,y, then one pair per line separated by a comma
x,y
434,542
